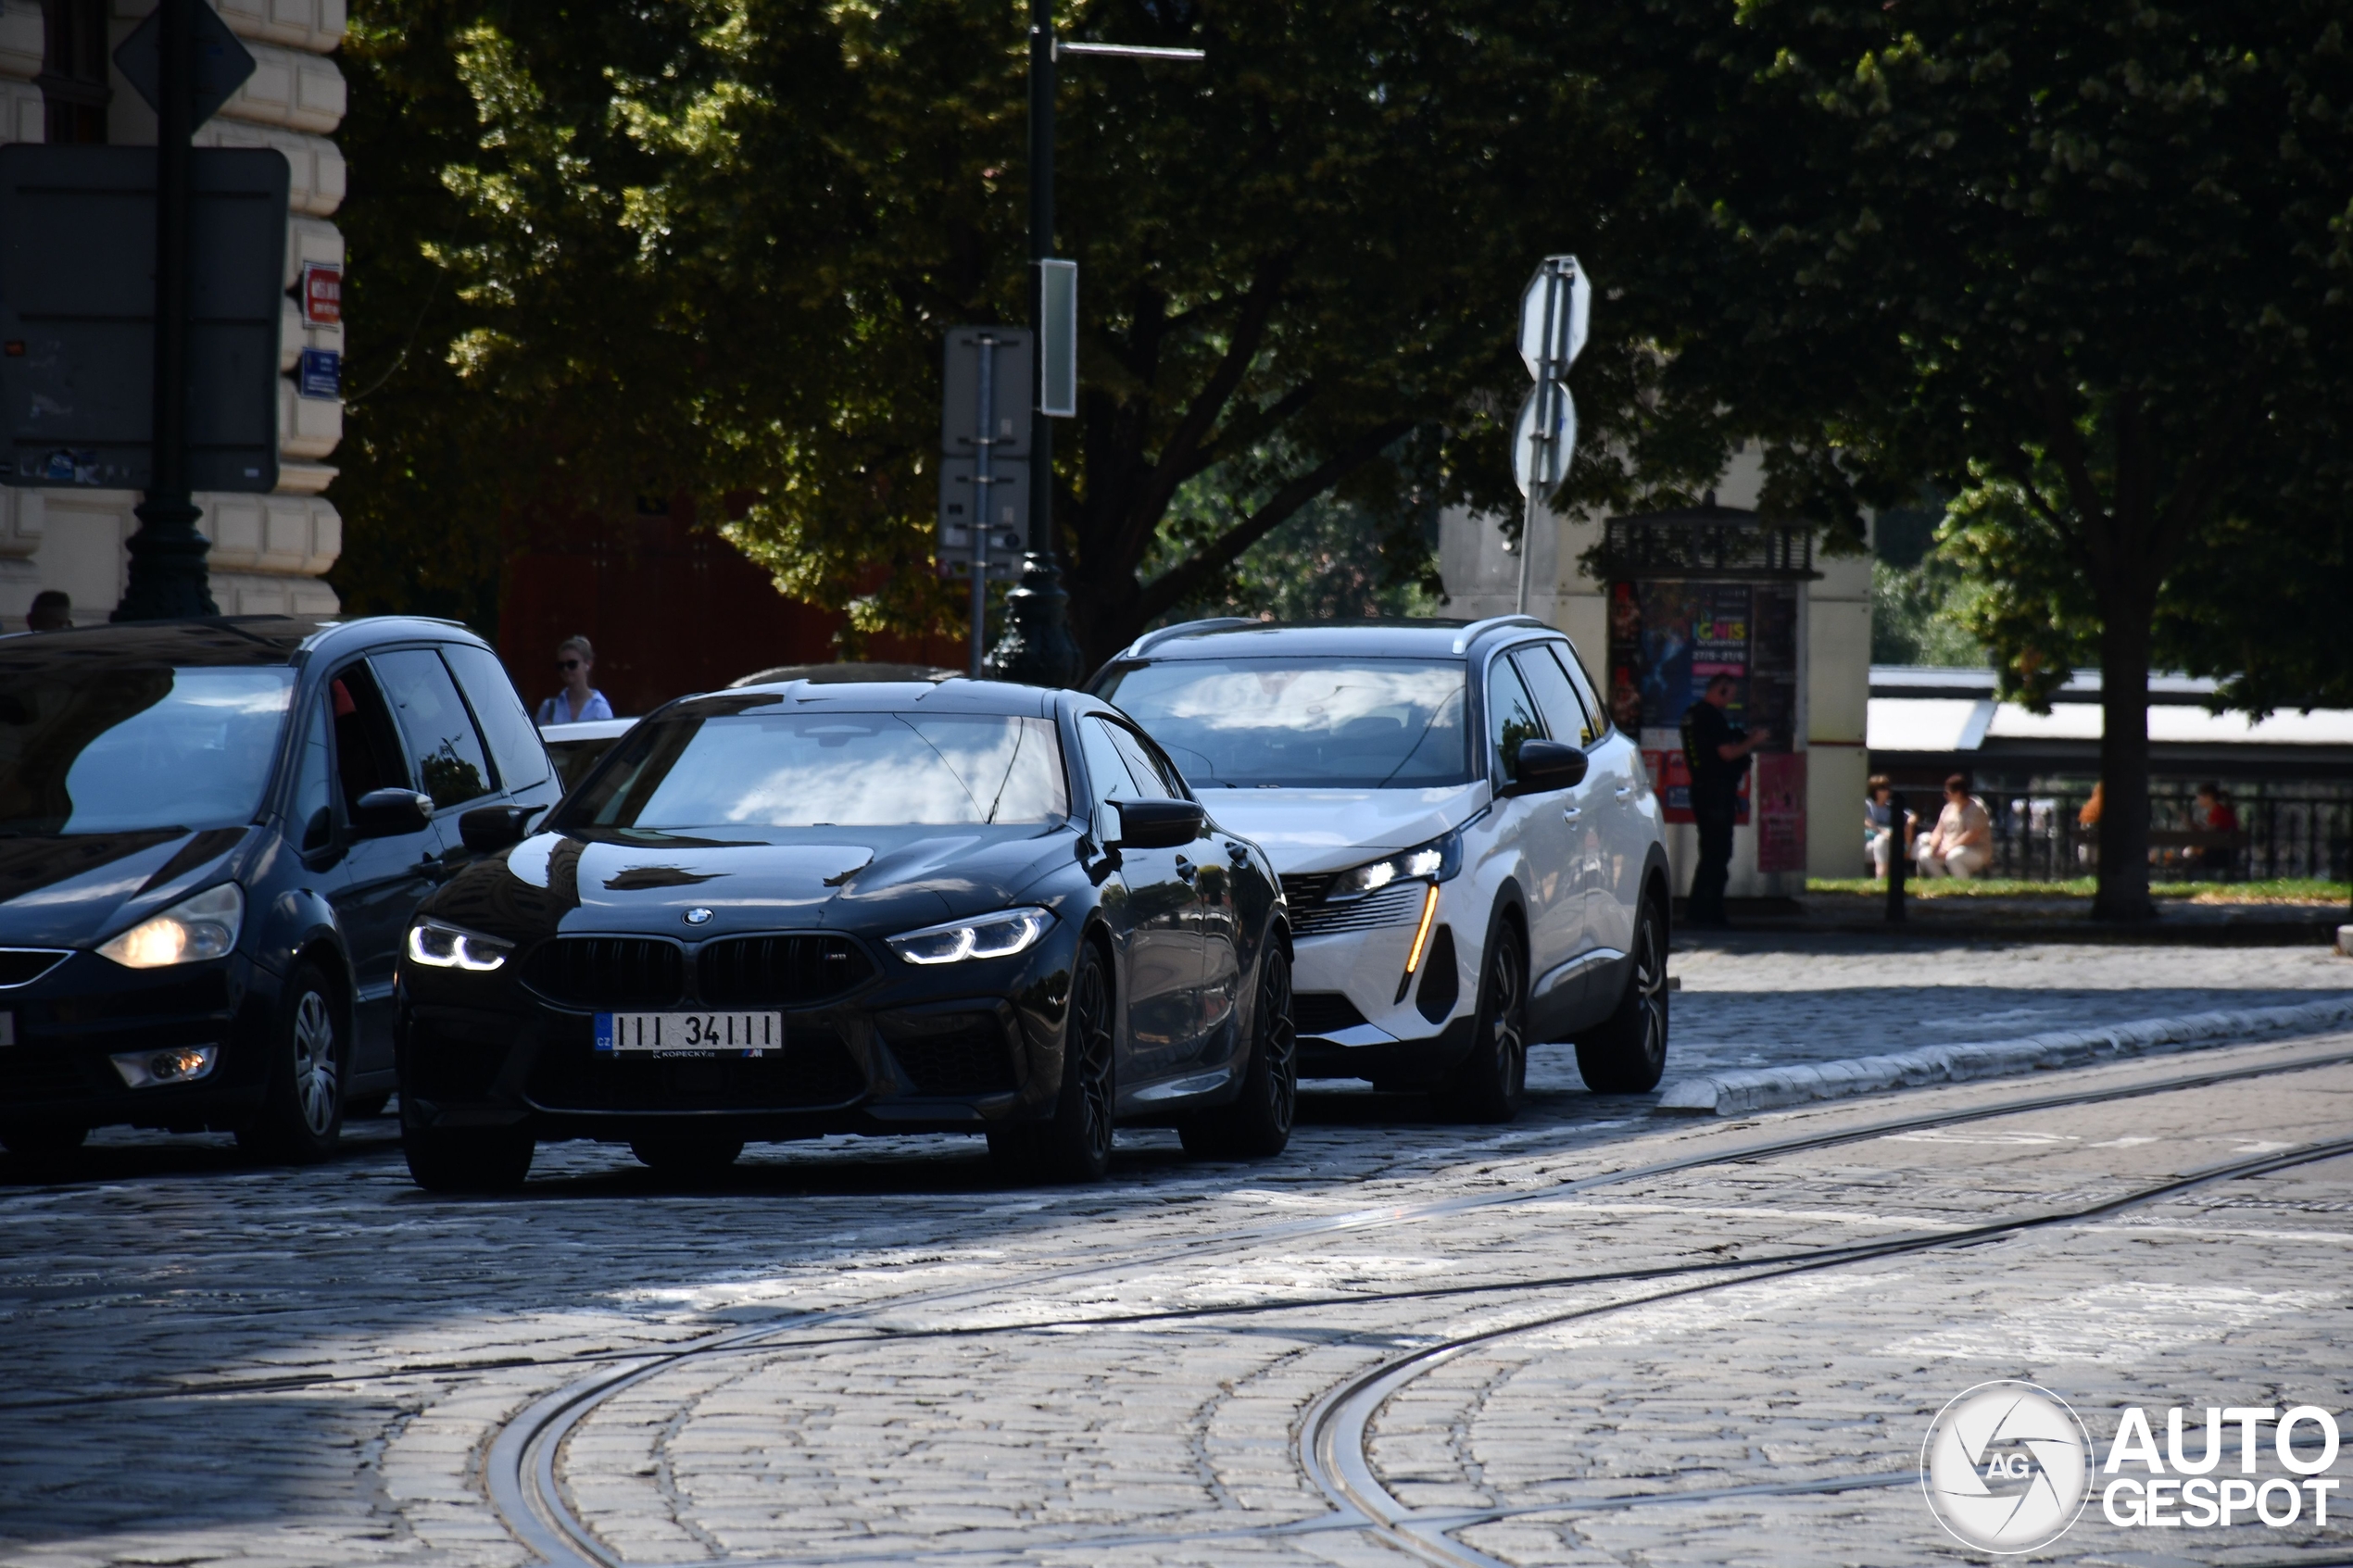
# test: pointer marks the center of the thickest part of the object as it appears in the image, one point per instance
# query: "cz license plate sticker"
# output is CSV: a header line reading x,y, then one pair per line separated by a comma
x,y
736,1034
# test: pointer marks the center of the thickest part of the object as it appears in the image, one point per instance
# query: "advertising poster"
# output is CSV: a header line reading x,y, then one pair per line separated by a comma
x,y
1667,641
1781,810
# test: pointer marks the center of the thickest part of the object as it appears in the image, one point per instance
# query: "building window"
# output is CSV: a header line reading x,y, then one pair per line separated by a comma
x,y
73,73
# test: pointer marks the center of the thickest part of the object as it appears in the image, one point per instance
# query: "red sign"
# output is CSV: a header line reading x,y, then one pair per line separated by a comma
x,y
1781,812
322,293
1671,776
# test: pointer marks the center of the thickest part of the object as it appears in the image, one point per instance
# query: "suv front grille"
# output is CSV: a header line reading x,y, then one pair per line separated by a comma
x,y
773,971
609,972
1323,1012
1304,891
1398,904
22,966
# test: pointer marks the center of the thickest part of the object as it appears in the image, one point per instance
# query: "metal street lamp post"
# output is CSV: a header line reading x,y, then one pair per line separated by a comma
x,y
1038,647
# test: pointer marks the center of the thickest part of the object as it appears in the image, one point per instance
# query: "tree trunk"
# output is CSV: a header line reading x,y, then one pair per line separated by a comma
x,y
2125,629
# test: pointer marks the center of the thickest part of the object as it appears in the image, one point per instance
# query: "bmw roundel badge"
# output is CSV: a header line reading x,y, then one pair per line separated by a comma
x,y
697,915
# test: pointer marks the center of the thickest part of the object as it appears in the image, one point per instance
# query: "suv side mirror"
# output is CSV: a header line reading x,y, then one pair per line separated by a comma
x,y
487,829
387,813
1147,824
1547,765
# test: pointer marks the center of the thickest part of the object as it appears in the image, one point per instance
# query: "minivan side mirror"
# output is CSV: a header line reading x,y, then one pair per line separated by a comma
x,y
487,829
387,813
1148,824
1547,765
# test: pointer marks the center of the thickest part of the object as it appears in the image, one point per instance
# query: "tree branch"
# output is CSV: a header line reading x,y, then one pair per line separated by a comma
x,y
1179,583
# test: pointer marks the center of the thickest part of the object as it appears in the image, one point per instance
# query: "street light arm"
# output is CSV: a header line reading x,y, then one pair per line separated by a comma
x,y
1130,51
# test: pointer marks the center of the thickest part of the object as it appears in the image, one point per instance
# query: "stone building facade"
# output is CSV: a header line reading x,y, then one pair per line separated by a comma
x,y
57,83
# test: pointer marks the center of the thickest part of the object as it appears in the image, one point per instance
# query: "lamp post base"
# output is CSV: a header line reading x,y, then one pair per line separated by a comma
x,y
1037,648
167,564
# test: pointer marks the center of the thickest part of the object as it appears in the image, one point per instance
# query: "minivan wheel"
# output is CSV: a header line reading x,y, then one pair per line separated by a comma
x,y
468,1159
310,1060
1626,1053
1494,1078
1256,1125
1076,1144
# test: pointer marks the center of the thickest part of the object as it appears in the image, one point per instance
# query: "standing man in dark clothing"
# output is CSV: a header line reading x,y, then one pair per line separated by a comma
x,y
1717,750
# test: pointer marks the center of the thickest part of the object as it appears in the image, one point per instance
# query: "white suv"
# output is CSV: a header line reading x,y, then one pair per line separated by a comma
x,y
1470,852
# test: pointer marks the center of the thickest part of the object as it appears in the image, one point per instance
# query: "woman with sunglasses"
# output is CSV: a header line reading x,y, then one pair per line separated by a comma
x,y
578,702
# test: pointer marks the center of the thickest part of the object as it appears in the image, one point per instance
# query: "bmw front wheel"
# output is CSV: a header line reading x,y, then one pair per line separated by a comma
x,y
1076,1144
1256,1125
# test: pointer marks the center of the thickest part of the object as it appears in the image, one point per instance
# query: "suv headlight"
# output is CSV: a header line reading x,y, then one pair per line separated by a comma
x,y
436,946
1434,862
191,931
999,936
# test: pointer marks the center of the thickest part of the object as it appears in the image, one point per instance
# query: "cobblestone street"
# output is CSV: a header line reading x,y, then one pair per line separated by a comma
x,y
1596,1336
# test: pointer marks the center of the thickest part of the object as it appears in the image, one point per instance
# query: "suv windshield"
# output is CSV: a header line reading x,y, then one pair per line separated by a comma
x,y
1304,723
103,749
826,769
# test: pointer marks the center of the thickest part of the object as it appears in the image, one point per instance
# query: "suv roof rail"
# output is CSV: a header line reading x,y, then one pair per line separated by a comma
x,y
1150,640
1479,629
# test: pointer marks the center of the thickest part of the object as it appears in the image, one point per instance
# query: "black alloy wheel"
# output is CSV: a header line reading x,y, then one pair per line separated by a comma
x,y
1494,1078
686,1152
1256,1125
309,1063
1626,1053
1076,1144
480,1159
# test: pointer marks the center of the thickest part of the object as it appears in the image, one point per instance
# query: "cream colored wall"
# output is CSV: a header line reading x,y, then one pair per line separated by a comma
x,y
268,551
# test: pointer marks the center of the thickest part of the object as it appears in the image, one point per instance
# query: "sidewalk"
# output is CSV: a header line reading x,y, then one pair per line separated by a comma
x,y
2032,919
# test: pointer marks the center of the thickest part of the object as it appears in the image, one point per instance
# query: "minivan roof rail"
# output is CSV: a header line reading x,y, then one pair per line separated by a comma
x,y
1479,629
1150,640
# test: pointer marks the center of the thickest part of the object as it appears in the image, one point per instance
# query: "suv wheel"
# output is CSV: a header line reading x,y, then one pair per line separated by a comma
x,y
302,1106
1626,1053
1257,1123
1076,1144
1493,1079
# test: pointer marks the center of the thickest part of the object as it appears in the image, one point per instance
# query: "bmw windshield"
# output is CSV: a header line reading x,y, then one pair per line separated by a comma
x,y
102,748
1303,724
701,767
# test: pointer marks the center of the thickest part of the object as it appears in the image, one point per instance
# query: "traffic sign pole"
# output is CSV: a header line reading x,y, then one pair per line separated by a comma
x,y
1555,304
984,515
1538,438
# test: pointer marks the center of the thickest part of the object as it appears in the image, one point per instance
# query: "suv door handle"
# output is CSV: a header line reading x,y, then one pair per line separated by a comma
x,y
1622,791
1571,813
1185,869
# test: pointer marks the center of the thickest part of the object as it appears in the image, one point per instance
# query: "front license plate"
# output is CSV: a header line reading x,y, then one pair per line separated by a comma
x,y
749,1032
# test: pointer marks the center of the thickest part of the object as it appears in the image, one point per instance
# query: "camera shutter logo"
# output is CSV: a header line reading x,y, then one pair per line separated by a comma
x,y
2007,1467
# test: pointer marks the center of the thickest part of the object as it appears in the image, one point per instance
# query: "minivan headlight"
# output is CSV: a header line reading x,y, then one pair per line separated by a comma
x,y
1434,862
999,936
191,931
436,946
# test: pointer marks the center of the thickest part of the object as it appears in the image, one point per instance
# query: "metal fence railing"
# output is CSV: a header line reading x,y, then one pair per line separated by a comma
x,y
2291,830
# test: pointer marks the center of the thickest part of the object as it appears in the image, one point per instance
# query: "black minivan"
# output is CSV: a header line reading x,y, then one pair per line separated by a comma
x,y
213,833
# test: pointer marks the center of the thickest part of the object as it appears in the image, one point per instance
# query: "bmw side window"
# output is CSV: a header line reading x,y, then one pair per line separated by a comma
x,y
1596,716
314,816
1152,776
514,740
1107,776
451,765
1510,715
1564,715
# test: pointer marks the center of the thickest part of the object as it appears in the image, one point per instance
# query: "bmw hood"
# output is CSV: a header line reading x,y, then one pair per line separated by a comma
x,y
876,881
76,890
1325,830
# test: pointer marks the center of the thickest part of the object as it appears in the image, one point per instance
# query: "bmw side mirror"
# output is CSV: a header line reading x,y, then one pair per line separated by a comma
x,y
1547,765
487,829
1158,824
387,813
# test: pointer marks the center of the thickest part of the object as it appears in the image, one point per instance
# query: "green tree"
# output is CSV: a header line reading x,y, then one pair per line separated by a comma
x,y
712,246
2085,268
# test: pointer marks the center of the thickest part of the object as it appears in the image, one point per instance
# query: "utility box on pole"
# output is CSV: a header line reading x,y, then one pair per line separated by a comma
x,y
77,316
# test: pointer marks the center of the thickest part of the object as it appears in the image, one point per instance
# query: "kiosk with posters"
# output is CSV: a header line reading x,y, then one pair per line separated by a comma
x,y
1692,595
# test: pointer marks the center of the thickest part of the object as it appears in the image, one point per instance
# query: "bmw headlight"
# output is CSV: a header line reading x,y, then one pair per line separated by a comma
x,y
1434,862
999,936
436,946
191,931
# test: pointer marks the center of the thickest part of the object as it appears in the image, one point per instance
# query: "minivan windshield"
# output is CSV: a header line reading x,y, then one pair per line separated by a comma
x,y
1303,724
105,748
695,770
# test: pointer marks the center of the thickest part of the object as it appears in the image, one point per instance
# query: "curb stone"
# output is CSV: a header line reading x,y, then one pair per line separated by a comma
x,y
1737,1094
